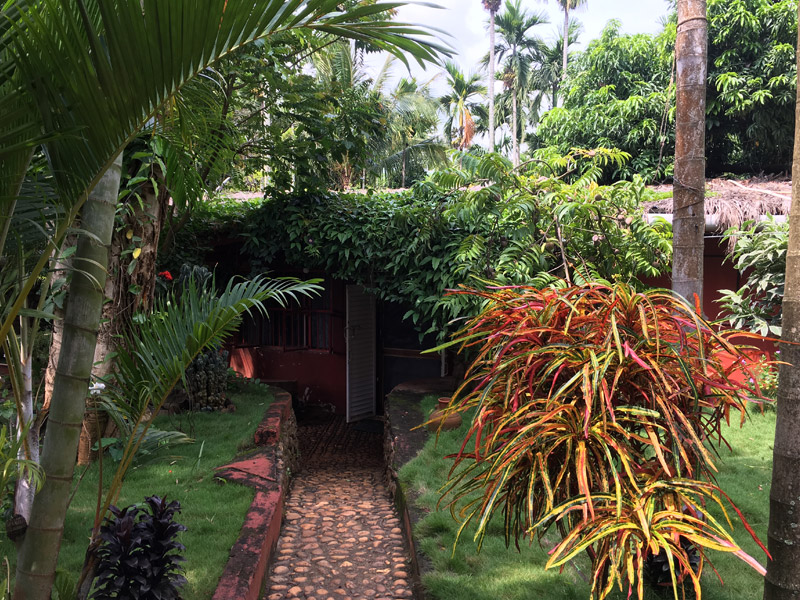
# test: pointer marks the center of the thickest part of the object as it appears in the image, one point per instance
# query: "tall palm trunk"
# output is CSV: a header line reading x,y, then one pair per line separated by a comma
x,y
24,494
144,221
782,581
514,117
39,552
491,80
566,43
688,225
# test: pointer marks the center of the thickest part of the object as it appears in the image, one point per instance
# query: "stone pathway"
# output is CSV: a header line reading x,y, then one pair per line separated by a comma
x,y
341,538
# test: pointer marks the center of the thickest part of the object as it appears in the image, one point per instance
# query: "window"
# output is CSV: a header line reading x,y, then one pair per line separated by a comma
x,y
295,327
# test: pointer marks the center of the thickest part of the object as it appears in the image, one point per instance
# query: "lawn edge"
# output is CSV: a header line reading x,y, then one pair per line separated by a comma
x,y
268,470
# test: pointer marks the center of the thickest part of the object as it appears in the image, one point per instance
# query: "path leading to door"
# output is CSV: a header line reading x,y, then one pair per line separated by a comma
x,y
341,537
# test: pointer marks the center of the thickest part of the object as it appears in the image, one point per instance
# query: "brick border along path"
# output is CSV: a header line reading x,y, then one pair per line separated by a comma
x,y
341,539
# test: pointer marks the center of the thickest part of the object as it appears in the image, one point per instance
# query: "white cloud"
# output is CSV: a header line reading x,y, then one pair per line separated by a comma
x,y
466,21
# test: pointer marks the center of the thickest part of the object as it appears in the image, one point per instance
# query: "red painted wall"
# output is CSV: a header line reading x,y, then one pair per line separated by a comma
x,y
320,372
718,274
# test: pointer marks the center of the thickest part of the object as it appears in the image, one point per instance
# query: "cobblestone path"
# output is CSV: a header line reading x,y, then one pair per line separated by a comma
x,y
341,537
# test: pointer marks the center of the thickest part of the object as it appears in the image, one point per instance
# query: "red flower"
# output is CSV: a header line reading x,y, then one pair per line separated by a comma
x,y
166,275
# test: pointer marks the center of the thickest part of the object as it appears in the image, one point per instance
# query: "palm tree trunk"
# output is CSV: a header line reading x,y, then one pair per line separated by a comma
x,y
36,561
514,136
492,146
23,496
688,224
145,221
782,581
566,41
403,175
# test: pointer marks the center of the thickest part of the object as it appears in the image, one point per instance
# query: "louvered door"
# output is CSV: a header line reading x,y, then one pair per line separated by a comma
x,y
361,360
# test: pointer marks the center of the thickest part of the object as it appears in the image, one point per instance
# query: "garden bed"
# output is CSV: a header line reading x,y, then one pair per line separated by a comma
x,y
212,510
498,572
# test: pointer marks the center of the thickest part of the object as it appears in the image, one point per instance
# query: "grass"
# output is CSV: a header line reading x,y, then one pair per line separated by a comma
x,y
212,512
498,572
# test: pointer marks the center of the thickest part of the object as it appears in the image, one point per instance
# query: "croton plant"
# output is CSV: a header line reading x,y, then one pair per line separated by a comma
x,y
598,413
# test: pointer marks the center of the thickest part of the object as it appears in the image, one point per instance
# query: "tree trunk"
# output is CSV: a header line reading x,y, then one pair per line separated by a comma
x,y
403,174
492,146
566,41
125,294
61,268
23,496
514,136
782,581
688,223
36,560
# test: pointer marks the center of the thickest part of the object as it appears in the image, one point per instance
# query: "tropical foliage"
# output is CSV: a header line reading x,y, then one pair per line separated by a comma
x,y
619,92
82,79
751,85
618,95
518,49
140,556
459,104
479,221
760,255
597,411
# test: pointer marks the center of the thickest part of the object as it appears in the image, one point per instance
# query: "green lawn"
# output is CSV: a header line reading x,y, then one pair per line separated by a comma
x,y
212,512
497,572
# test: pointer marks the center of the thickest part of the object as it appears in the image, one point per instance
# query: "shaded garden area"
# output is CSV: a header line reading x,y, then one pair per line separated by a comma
x,y
519,221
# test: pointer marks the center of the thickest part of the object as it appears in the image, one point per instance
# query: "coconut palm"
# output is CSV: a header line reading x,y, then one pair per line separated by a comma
x,y
411,114
82,78
460,105
567,6
396,125
492,6
520,50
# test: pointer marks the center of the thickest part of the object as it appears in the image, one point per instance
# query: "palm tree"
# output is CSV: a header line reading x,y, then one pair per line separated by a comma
x,y
411,124
783,577
492,6
520,50
398,124
82,78
567,6
550,72
691,51
460,104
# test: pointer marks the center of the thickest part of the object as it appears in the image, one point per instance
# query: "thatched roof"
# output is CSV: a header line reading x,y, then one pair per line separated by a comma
x,y
732,203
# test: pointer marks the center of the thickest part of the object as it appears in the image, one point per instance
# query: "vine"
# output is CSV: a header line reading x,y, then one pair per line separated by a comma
x,y
478,223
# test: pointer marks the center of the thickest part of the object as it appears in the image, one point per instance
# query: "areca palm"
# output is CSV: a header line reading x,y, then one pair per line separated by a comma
x,y
550,71
492,6
396,125
460,104
567,6
81,77
520,50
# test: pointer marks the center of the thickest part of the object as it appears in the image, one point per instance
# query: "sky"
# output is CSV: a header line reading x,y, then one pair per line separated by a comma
x,y
466,22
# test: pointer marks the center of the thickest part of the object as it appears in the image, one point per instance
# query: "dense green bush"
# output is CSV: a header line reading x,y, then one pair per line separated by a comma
x,y
751,84
620,93
760,254
478,223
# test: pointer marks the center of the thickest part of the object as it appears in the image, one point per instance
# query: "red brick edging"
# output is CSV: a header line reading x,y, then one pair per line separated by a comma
x,y
265,471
